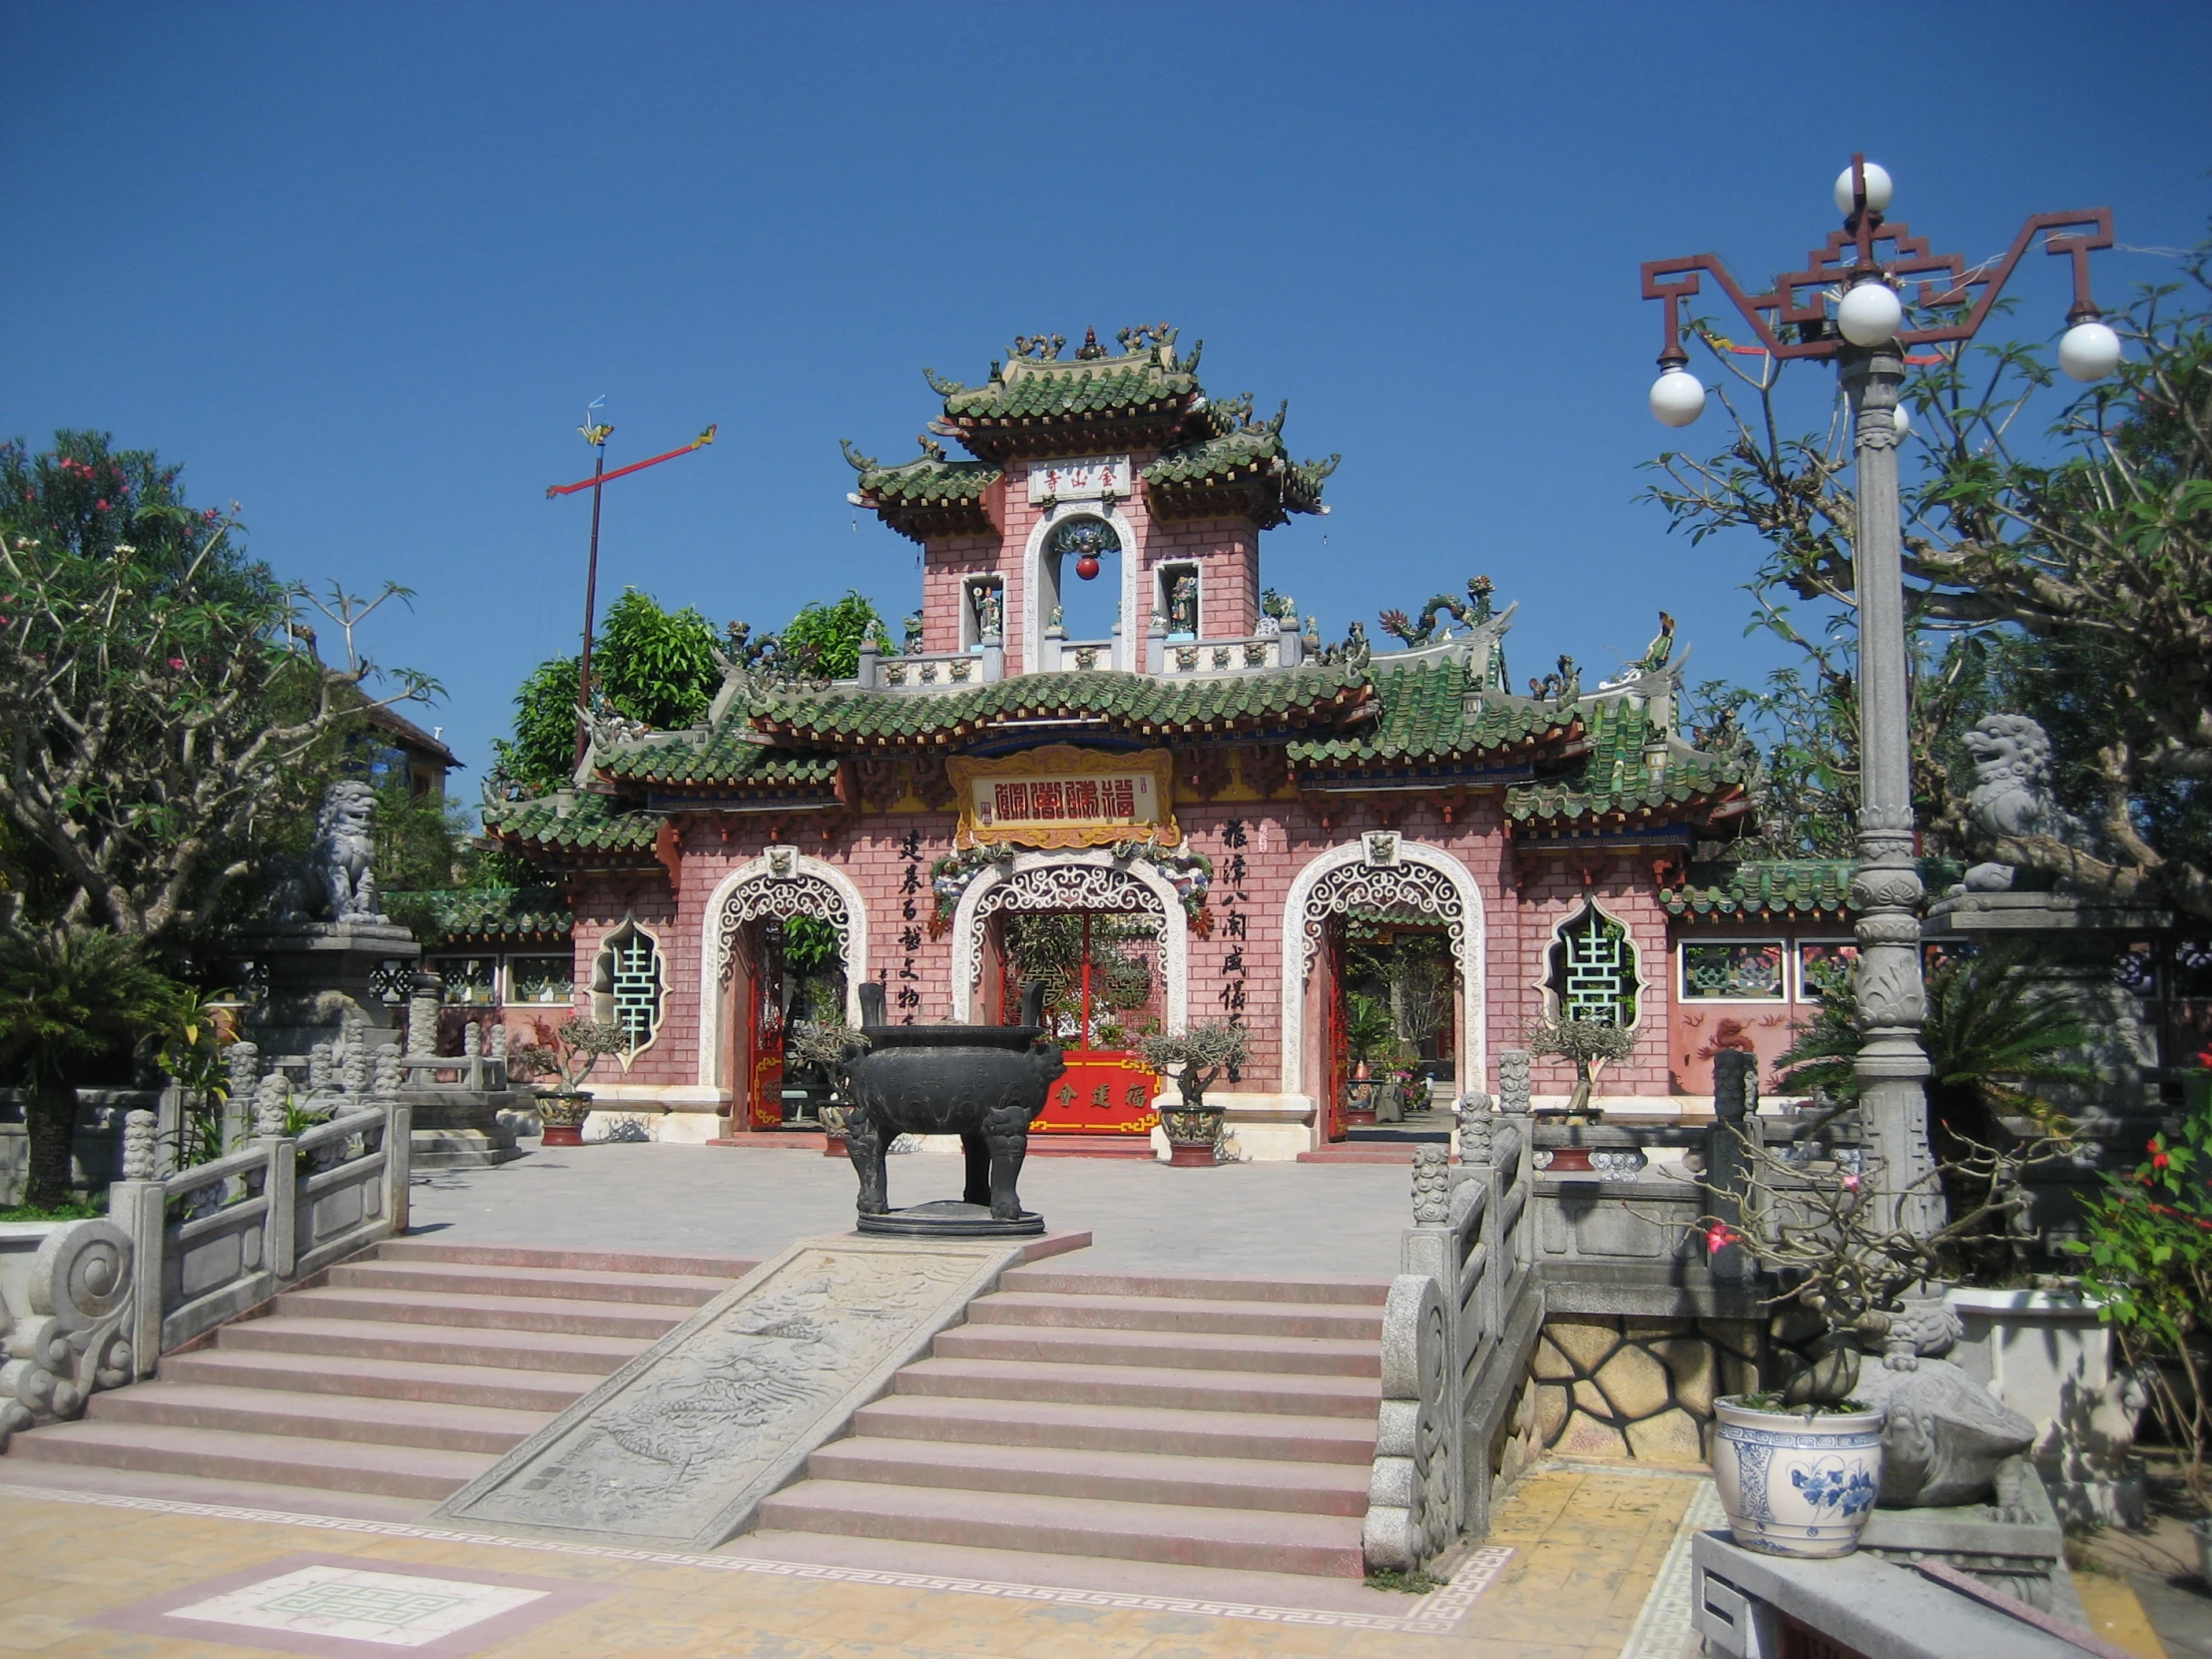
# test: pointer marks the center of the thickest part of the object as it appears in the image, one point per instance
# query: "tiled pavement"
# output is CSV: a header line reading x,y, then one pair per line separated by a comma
x,y
1569,1569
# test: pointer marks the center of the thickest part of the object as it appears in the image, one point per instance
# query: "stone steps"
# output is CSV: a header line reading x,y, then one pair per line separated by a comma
x,y
1161,1312
381,1390
1238,1539
1219,1421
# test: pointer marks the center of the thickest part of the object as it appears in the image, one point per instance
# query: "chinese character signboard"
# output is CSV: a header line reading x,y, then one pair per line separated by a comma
x,y
1079,480
1061,796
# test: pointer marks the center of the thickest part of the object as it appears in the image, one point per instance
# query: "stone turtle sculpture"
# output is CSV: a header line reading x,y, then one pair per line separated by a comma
x,y
983,1083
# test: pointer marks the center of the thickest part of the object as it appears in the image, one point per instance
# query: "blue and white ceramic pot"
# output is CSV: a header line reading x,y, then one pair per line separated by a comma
x,y
1796,1483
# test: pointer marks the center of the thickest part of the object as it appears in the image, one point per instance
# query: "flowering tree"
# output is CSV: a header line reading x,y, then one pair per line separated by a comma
x,y
163,712
2148,1256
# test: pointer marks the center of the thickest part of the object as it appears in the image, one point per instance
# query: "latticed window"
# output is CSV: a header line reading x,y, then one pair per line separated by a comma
x,y
546,981
1732,970
1593,969
467,979
627,986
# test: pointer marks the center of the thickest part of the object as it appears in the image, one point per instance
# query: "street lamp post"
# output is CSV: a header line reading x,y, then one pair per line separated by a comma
x,y
1844,306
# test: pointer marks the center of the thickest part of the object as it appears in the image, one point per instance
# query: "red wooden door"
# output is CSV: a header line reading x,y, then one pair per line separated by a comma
x,y
766,1073
1332,989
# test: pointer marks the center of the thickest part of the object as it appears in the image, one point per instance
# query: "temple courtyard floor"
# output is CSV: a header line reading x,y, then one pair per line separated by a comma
x,y
1583,1560
1279,1218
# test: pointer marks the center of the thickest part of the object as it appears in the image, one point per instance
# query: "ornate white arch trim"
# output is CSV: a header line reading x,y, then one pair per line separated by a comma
x,y
1090,880
781,882
1385,871
1033,612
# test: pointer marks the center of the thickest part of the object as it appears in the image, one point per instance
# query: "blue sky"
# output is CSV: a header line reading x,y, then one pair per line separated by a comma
x,y
360,267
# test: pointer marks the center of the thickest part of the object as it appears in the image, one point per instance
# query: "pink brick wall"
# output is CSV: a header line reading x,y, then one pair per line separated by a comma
x,y
1524,898
1225,550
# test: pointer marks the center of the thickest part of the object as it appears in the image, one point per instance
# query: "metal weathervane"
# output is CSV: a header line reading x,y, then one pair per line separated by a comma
x,y
595,433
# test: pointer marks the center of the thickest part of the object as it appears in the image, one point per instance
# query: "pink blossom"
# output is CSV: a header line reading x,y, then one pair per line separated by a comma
x,y
176,661
1850,1183
1719,1237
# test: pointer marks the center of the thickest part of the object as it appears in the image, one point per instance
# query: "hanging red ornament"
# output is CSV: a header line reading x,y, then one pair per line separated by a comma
x,y
1086,567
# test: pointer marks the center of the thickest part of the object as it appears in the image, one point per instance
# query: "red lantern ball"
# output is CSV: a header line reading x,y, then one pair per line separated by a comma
x,y
1086,567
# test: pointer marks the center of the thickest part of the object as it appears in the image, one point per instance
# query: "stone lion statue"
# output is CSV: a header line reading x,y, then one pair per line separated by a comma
x,y
2011,794
336,882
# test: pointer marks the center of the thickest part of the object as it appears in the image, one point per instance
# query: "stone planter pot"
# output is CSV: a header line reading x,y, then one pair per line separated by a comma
x,y
1193,1135
832,1130
1798,1483
563,1116
2048,1356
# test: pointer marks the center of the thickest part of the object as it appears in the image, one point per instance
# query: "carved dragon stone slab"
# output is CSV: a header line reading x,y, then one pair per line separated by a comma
x,y
682,1443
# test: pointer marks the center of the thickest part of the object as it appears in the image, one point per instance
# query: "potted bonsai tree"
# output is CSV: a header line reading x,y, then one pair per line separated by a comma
x,y
829,1044
1194,1058
578,1045
1587,1044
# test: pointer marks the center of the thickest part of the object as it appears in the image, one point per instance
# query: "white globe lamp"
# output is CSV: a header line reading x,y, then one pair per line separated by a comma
x,y
1676,397
1900,422
2087,351
1878,189
1870,314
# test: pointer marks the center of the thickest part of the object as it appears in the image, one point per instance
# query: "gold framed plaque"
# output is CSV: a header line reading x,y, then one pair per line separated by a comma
x,y
1061,796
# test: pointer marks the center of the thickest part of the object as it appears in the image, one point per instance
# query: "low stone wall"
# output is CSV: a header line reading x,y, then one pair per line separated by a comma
x,y
1633,1386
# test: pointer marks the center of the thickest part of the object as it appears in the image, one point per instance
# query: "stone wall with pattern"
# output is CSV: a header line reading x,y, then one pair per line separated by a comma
x,y
1641,1388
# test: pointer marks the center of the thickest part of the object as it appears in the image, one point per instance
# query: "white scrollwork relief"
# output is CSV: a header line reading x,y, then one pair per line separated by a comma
x,y
1423,883
1064,888
779,897
1422,890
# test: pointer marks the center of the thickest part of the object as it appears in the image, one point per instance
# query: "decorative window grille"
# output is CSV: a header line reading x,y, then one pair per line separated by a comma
x,y
544,980
391,980
626,987
468,979
1593,971
1733,970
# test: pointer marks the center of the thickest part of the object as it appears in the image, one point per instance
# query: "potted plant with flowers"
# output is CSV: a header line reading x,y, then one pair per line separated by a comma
x,y
577,1046
1194,1058
1800,1464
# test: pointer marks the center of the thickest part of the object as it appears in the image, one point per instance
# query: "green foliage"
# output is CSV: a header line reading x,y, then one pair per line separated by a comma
x,y
68,997
542,752
809,944
824,641
654,665
1588,1044
1413,1583
1371,1035
163,708
2148,1256
1994,1034
190,1053
74,1209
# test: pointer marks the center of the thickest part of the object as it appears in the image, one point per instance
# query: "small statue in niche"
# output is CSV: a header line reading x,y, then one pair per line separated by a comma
x,y
1056,624
1182,607
990,611
910,644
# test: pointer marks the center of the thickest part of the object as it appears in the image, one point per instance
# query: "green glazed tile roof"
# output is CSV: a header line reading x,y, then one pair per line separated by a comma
x,y
732,753
1122,702
594,823
1425,718
467,913
929,482
1759,888
1027,390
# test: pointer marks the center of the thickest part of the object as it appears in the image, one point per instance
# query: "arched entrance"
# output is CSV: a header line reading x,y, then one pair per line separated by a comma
x,y
785,938
1110,940
1399,882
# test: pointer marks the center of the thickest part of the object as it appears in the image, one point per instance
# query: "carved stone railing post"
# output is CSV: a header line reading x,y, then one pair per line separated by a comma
x,y
279,1182
66,1325
134,1206
1513,1081
1409,1518
424,1002
399,1166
